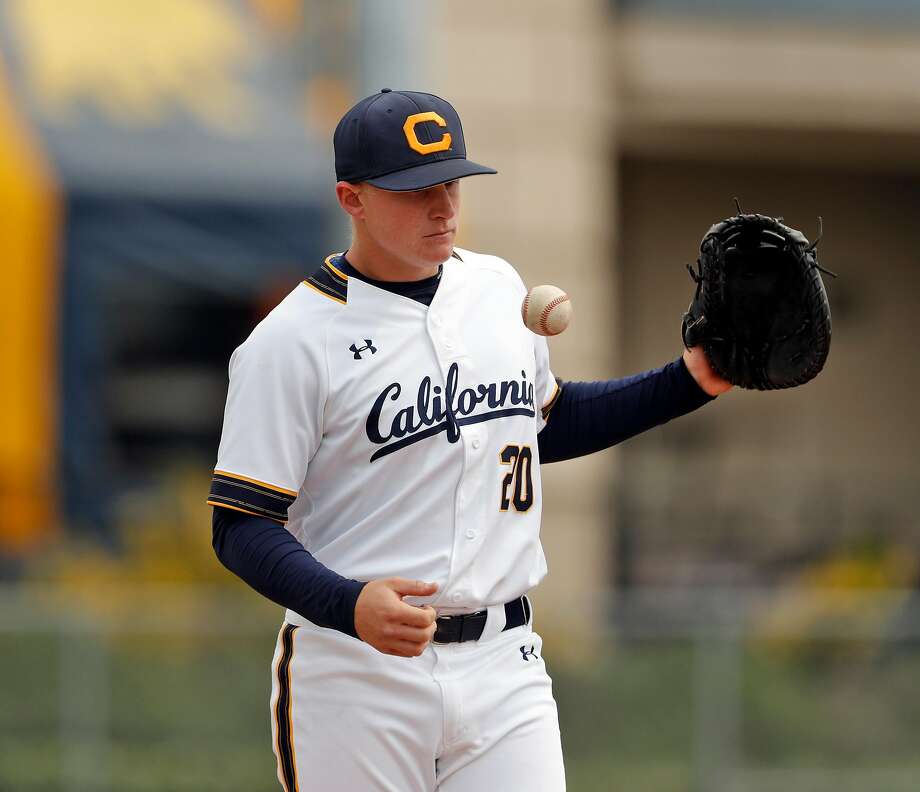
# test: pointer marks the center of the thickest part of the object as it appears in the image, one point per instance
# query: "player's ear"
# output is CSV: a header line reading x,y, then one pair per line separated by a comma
x,y
349,196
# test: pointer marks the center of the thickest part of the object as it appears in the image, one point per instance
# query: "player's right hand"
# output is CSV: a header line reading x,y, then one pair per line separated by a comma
x,y
390,625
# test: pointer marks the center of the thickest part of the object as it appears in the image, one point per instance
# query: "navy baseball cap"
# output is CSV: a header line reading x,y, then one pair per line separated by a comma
x,y
401,141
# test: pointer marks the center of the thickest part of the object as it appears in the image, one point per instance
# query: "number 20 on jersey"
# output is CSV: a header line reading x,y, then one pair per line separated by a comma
x,y
517,484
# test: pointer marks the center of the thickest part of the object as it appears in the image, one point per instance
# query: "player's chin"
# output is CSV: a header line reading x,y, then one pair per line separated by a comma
x,y
438,248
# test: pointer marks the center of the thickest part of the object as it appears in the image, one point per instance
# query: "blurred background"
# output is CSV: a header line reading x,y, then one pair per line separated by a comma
x,y
733,600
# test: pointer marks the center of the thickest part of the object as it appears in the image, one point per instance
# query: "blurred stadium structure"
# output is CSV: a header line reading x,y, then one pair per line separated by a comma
x,y
165,176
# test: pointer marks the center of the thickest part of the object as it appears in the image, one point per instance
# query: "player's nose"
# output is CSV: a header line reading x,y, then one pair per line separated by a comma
x,y
441,204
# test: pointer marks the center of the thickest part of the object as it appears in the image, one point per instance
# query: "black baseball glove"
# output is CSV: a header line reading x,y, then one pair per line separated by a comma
x,y
760,309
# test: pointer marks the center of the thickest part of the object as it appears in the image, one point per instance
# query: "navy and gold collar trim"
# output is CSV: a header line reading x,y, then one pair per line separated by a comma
x,y
329,282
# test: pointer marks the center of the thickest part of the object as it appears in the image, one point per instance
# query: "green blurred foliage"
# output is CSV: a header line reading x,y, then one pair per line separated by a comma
x,y
194,715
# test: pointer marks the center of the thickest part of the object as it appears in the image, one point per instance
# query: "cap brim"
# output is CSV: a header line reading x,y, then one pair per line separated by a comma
x,y
428,175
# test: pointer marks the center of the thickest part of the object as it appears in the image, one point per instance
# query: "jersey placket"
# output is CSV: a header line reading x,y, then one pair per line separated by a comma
x,y
443,318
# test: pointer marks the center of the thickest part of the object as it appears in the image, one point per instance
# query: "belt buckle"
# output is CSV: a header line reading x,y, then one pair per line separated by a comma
x,y
461,625
445,622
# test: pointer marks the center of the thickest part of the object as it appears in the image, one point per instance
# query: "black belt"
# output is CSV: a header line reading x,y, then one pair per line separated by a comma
x,y
469,626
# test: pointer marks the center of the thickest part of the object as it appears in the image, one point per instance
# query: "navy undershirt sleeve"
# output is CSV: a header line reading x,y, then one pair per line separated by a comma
x,y
274,563
591,416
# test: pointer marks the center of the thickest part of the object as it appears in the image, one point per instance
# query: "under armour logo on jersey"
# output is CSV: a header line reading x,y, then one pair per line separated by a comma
x,y
368,345
528,653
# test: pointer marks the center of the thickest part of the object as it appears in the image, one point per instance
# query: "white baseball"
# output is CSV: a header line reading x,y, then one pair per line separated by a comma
x,y
546,310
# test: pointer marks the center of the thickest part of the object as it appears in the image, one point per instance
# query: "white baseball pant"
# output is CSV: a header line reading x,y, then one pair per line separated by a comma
x,y
462,717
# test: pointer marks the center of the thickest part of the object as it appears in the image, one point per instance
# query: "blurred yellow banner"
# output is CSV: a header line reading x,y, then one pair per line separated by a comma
x,y
28,330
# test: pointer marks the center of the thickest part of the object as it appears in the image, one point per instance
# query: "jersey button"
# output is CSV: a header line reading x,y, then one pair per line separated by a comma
x,y
470,533
456,596
436,320
448,344
476,443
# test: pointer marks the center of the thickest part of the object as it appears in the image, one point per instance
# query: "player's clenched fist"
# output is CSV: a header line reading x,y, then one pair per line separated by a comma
x,y
390,625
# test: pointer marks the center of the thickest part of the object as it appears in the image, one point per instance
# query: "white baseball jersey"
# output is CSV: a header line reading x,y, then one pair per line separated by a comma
x,y
393,438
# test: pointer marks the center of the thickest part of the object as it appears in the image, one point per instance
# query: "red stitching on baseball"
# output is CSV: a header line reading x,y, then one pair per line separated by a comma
x,y
524,307
548,310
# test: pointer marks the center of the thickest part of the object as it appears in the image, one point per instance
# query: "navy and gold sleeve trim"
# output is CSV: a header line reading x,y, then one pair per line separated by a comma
x,y
250,496
329,282
553,399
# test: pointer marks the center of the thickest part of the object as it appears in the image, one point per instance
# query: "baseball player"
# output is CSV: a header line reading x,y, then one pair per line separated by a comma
x,y
379,476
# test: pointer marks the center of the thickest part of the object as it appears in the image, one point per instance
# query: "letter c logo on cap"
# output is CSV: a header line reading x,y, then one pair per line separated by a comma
x,y
426,148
